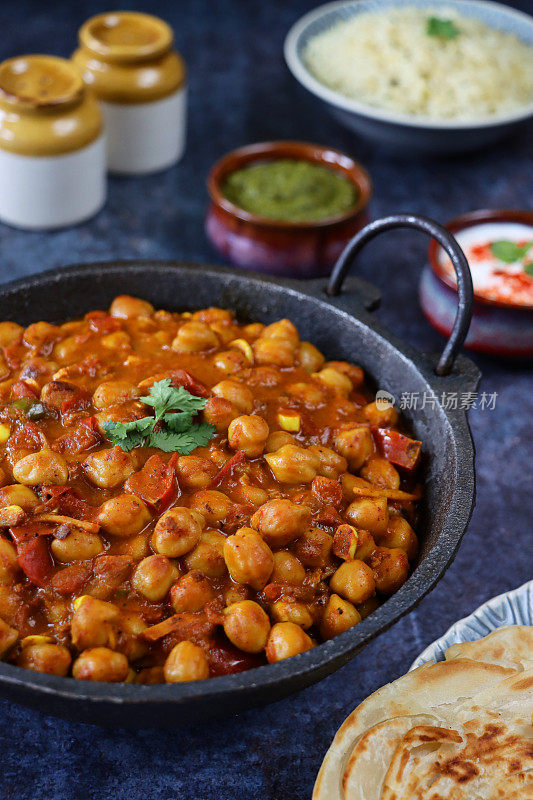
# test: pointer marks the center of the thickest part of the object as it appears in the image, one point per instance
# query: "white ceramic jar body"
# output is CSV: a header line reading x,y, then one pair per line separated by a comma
x,y
145,137
45,192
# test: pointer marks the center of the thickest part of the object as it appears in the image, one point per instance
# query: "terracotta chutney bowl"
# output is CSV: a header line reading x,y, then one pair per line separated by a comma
x,y
499,327
279,247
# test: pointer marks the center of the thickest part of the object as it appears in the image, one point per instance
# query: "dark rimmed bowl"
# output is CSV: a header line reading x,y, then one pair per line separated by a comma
x,y
497,328
277,247
342,327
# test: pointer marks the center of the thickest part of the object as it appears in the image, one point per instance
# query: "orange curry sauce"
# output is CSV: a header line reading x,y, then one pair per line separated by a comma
x,y
101,595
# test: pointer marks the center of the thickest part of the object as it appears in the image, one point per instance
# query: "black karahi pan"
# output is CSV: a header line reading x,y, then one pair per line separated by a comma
x,y
336,318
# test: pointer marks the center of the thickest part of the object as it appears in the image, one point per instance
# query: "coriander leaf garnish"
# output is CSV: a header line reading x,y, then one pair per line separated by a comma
x,y
528,268
442,28
171,428
508,251
198,435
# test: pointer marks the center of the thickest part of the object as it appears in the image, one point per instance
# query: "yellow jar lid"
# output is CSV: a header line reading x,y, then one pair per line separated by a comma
x,y
126,36
39,82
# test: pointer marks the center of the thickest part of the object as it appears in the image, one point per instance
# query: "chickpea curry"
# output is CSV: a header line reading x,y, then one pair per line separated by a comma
x,y
184,496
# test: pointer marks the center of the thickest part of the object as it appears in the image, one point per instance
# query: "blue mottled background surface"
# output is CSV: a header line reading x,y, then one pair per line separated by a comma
x,y
241,91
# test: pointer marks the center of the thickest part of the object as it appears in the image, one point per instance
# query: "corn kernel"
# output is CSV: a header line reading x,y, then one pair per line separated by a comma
x,y
245,347
79,600
289,421
11,515
28,641
5,430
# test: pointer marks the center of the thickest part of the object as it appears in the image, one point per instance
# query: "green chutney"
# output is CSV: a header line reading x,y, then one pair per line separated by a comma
x,y
292,190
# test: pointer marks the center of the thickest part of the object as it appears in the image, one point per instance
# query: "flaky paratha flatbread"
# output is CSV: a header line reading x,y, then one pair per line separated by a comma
x,y
507,647
457,730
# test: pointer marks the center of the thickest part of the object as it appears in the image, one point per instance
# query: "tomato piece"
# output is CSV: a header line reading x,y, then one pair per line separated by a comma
x,y
180,377
155,483
225,471
22,389
71,579
101,322
226,659
34,557
68,502
397,448
84,436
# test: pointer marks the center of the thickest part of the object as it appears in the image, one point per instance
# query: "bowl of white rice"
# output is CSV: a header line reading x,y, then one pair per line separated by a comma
x,y
418,76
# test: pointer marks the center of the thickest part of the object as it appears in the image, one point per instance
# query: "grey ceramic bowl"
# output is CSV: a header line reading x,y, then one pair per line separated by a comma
x,y
402,133
510,608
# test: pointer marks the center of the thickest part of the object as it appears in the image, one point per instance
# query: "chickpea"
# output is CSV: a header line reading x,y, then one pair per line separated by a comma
x,y
8,637
281,521
277,439
110,393
355,374
334,380
235,593
55,393
132,626
153,577
286,639
248,558
191,592
40,333
287,569
332,465
46,657
372,514
124,515
67,351
248,494
355,444
381,473
311,394
8,561
220,413
347,537
109,468
94,623
230,361
339,615
273,351
186,662
10,333
79,545
399,534
195,472
208,555
354,580
282,330
119,340
314,547
381,418
17,495
249,434
247,626
212,505
390,568
237,393
293,464
101,664
194,337
43,467
136,547
286,610
126,307
177,532
214,315
309,357
327,490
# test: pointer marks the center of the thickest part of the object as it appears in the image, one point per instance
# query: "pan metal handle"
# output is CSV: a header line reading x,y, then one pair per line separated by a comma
x,y
458,259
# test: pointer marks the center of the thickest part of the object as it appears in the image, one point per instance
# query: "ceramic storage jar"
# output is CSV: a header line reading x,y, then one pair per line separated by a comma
x,y
129,61
52,150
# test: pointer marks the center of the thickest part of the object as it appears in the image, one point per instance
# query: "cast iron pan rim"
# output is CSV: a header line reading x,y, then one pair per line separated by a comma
x,y
338,650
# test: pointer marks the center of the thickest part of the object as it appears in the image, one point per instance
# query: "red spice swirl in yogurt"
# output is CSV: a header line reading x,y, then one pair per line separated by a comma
x,y
489,249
